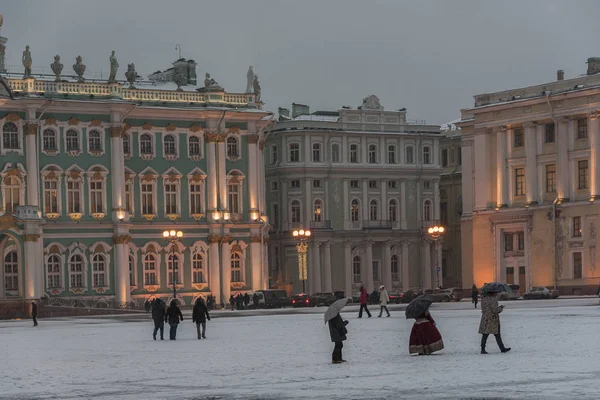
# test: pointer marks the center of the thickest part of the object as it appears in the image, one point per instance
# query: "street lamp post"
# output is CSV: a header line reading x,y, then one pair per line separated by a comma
x,y
301,237
173,237
435,233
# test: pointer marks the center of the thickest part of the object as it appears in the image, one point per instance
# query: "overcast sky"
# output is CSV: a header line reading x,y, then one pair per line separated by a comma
x,y
428,56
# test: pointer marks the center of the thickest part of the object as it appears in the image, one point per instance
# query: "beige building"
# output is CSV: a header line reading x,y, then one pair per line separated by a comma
x,y
530,185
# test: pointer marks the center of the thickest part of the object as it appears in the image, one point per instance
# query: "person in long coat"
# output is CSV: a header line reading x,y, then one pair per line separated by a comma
x,y
384,298
337,332
34,313
173,317
490,321
425,338
363,302
199,316
474,295
158,315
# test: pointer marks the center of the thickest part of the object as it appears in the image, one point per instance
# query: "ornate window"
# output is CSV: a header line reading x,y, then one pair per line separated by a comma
x,y
316,156
234,191
391,154
427,210
97,191
76,271
11,271
74,194
170,198
374,210
126,145
150,270
129,202
148,196
99,271
53,273
294,152
410,155
72,141
426,155
51,196
372,154
170,147
356,269
95,142
393,210
354,153
236,267
194,149
274,155
296,213
395,268
172,192
49,141
335,153
355,210
233,149
12,193
173,264
318,211
198,269
196,189
131,263
146,146
10,137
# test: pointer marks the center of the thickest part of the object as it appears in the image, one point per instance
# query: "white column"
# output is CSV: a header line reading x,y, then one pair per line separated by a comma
x,y
262,204
222,184
122,285
348,268
594,137
30,266
33,185
426,271
255,258
387,266
562,169
316,268
308,215
365,200
283,205
405,271
501,168
39,256
253,178
327,285
265,266
226,267
403,222
383,207
211,160
346,194
531,166
214,273
436,199
467,177
482,175
369,265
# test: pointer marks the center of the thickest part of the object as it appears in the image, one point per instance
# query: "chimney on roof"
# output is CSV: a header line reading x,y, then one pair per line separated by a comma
x,y
560,75
593,65
299,109
283,113
191,72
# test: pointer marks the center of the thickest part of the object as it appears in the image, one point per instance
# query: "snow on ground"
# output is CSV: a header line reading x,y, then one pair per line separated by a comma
x,y
555,356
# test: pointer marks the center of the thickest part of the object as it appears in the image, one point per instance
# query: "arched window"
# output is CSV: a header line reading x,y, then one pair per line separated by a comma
x,y
427,210
194,146
49,141
410,155
373,210
353,153
393,210
11,271
173,269
354,210
150,270
426,155
335,152
296,212
72,140
10,136
169,144
99,270
294,152
318,211
391,154
232,147
372,154
236,267
316,148
94,141
198,269
146,146
131,271
76,271
53,272
356,269
126,145
395,268
12,193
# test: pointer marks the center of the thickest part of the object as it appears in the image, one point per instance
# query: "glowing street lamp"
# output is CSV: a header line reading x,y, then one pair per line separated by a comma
x,y
435,232
302,237
173,237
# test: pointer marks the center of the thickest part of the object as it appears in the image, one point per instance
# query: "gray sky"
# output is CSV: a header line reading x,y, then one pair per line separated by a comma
x,y
428,56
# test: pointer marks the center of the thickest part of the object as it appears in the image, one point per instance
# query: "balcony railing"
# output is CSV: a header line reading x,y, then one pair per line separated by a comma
x,y
320,225
377,224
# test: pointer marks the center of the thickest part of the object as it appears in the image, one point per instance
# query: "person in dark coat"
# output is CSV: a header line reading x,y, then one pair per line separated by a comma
x,y
338,332
147,306
490,321
255,300
199,316
474,295
158,315
363,302
246,300
232,302
173,317
34,312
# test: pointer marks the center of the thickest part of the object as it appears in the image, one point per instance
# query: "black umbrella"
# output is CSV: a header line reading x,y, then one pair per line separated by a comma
x,y
493,287
418,306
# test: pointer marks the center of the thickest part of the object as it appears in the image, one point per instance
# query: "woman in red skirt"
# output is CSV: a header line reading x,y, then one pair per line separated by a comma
x,y
425,337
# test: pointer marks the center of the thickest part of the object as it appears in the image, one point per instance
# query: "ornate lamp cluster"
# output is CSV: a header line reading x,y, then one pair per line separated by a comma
x,y
173,237
302,236
436,231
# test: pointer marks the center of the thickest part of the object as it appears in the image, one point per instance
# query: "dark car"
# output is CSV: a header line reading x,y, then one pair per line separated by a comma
x,y
275,298
301,300
410,295
395,297
323,299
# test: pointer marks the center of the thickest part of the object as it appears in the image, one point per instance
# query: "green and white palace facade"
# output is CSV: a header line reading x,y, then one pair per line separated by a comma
x,y
92,173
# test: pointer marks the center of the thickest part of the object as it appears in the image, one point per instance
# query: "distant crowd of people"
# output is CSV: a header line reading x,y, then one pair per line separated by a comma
x,y
172,315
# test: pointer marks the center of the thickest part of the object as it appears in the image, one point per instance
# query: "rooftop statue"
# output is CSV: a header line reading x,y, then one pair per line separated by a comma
x,y
57,67
79,68
257,89
114,65
371,103
27,62
131,75
250,80
210,84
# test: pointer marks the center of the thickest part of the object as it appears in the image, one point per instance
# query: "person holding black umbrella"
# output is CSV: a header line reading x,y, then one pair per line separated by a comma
x,y
425,338
490,317
337,329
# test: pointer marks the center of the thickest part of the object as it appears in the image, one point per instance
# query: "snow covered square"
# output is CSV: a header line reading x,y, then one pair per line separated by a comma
x,y
288,356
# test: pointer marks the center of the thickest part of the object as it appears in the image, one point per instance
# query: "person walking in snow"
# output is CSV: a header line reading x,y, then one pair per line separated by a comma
x,y
158,315
232,302
363,302
474,295
384,298
246,300
34,313
255,300
173,317
490,321
199,316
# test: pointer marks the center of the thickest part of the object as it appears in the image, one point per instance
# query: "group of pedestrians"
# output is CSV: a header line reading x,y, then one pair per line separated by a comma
x,y
383,297
242,301
173,316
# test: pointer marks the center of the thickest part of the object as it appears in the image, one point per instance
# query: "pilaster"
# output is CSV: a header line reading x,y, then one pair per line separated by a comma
x,y
214,274
33,186
211,161
594,137
562,149
501,168
403,222
531,165
226,266
348,268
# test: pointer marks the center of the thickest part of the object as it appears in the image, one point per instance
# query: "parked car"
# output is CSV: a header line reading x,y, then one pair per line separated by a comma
x,y
452,294
410,295
507,293
541,292
323,299
301,300
515,288
261,299
438,295
275,298
395,297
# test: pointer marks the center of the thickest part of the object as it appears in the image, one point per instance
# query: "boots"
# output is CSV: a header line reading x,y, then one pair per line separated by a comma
x,y
503,349
483,342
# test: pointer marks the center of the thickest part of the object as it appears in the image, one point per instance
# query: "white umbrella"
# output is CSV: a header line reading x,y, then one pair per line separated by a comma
x,y
335,309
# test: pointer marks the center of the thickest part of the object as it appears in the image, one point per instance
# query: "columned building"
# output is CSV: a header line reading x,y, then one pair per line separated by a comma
x,y
92,173
530,159
366,182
